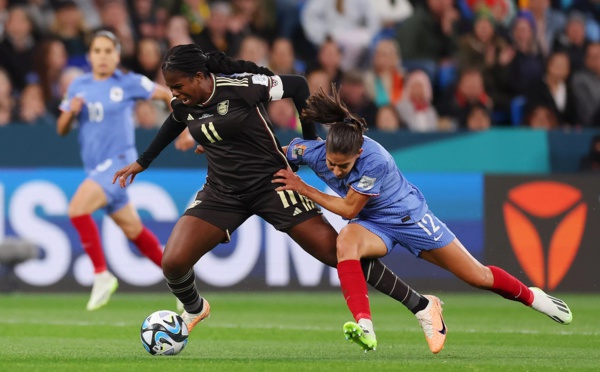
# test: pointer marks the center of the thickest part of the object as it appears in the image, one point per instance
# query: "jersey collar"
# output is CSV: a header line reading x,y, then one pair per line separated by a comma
x,y
214,80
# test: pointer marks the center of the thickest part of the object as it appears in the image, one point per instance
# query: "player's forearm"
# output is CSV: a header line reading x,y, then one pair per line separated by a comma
x,y
64,123
332,203
166,134
296,88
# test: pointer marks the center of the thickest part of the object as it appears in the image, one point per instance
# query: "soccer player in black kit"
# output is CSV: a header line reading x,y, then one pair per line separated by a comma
x,y
225,115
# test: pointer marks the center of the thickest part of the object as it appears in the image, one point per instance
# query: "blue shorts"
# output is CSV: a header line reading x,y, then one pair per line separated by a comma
x,y
103,175
427,234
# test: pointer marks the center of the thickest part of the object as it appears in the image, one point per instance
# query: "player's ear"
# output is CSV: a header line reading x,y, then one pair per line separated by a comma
x,y
199,76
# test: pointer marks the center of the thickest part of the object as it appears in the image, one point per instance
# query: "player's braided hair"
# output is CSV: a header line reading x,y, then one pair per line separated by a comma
x,y
190,59
346,130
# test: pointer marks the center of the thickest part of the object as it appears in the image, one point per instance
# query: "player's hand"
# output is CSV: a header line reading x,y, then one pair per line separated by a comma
x,y
199,150
130,170
289,179
76,105
185,141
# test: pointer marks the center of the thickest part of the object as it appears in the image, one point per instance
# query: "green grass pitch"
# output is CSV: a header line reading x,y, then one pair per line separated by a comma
x,y
295,332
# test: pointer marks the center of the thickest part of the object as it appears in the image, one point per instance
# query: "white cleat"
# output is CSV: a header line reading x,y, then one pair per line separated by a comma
x,y
105,284
554,307
191,320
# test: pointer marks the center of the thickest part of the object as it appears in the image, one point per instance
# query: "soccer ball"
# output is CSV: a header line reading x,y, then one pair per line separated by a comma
x,y
164,333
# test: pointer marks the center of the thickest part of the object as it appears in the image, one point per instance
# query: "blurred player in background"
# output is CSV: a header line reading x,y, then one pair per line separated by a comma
x,y
226,116
384,209
102,102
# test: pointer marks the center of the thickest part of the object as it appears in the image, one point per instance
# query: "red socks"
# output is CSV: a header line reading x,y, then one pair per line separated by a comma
x,y
85,225
149,245
510,287
90,240
354,288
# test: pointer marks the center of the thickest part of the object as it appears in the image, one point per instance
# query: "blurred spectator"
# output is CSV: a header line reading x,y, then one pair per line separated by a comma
x,y
591,10
478,118
502,11
427,37
542,117
591,161
548,23
41,14
484,49
115,17
254,49
17,48
7,103
51,60
318,79
216,35
351,24
71,28
329,59
255,17
143,17
469,92
3,16
392,12
384,80
281,58
415,109
354,94
586,87
148,59
196,12
177,32
146,116
528,64
283,114
32,108
553,90
573,41
387,119
90,10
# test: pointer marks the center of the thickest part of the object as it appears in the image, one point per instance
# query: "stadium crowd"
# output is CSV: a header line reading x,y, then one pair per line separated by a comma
x,y
418,65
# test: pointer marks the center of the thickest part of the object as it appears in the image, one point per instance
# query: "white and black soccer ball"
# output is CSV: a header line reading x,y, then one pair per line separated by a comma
x,y
164,333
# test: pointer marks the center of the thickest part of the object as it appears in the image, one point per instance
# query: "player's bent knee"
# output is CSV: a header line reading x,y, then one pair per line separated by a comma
x,y
174,268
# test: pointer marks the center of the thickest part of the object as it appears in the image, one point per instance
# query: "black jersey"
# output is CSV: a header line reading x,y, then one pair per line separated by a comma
x,y
232,125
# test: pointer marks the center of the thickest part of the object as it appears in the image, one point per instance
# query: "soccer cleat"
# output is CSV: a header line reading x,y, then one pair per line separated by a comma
x,y
105,284
432,322
555,308
192,319
361,334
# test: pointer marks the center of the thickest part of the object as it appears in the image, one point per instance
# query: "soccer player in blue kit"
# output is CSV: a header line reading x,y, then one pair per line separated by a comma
x,y
384,209
102,101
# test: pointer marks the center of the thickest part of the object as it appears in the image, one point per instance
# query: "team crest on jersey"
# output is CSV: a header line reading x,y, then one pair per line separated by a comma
x,y
116,94
366,183
298,151
223,107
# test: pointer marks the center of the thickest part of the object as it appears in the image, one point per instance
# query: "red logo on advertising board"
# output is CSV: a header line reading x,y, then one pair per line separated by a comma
x,y
545,199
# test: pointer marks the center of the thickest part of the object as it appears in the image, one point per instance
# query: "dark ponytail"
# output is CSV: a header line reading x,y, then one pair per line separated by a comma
x,y
346,130
190,59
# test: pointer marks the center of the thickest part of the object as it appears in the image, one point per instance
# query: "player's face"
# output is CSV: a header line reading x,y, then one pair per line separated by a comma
x,y
186,89
341,164
104,57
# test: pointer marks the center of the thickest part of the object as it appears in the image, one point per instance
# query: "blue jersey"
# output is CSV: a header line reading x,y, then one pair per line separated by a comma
x,y
393,198
106,127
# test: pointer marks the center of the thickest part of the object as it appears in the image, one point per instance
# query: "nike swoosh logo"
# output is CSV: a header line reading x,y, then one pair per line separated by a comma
x,y
436,238
443,330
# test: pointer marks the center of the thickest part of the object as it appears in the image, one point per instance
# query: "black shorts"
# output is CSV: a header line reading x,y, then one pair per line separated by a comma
x,y
282,209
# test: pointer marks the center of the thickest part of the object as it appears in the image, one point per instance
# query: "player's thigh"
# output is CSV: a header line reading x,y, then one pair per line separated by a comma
x,y
128,219
190,239
88,198
455,258
356,242
317,237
